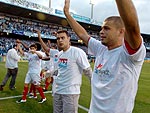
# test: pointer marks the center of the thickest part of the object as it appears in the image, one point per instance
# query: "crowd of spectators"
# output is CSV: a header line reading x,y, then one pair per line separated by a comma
x,y
22,26
47,9
7,43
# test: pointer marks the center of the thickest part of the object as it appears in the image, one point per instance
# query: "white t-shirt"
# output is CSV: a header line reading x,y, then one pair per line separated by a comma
x,y
53,52
70,67
115,78
12,59
54,66
34,65
43,62
53,59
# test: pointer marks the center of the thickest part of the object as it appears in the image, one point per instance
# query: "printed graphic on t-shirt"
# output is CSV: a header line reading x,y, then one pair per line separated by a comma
x,y
98,68
63,62
55,58
104,74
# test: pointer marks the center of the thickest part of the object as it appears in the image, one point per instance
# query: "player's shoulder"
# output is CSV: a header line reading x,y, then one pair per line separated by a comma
x,y
41,52
77,49
12,49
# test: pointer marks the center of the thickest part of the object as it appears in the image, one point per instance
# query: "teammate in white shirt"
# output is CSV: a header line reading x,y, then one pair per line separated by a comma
x,y
72,62
33,74
50,68
12,59
32,90
119,58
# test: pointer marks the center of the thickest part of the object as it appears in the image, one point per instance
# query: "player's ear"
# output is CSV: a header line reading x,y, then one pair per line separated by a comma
x,y
69,38
122,30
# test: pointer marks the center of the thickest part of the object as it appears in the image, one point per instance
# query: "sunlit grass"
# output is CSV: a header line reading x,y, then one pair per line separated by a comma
x,y
142,103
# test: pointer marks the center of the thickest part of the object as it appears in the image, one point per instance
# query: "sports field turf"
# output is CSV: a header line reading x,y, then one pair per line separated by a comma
x,y
8,98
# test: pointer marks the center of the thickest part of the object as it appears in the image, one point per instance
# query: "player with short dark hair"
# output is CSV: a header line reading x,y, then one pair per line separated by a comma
x,y
119,56
33,74
71,63
12,59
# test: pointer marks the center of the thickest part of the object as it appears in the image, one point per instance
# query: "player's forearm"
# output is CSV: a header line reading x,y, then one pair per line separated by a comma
x,y
77,28
21,51
46,58
88,73
24,45
42,43
128,14
38,54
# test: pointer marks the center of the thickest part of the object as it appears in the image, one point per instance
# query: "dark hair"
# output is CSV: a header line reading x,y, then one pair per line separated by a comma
x,y
63,31
38,46
15,45
33,45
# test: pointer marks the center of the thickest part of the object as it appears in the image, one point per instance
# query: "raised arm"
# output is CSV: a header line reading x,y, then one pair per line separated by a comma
x,y
45,47
20,49
24,45
38,53
77,28
129,16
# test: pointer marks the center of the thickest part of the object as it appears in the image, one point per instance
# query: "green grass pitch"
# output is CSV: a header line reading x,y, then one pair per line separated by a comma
x,y
142,103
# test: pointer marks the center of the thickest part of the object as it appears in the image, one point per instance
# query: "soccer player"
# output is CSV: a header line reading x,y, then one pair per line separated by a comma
x,y
45,58
119,55
72,62
32,90
12,59
51,67
48,73
33,74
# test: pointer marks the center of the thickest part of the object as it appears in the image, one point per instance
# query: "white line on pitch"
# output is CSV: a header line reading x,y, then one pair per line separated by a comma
x,y
84,108
4,98
19,96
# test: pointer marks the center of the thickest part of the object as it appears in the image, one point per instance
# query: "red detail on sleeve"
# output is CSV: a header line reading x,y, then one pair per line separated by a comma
x,y
130,50
89,39
49,49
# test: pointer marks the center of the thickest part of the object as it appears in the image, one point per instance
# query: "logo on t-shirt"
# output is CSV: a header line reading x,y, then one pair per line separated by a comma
x,y
104,74
98,68
63,62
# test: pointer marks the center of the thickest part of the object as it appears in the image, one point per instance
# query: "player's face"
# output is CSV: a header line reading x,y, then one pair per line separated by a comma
x,y
32,49
109,33
63,41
